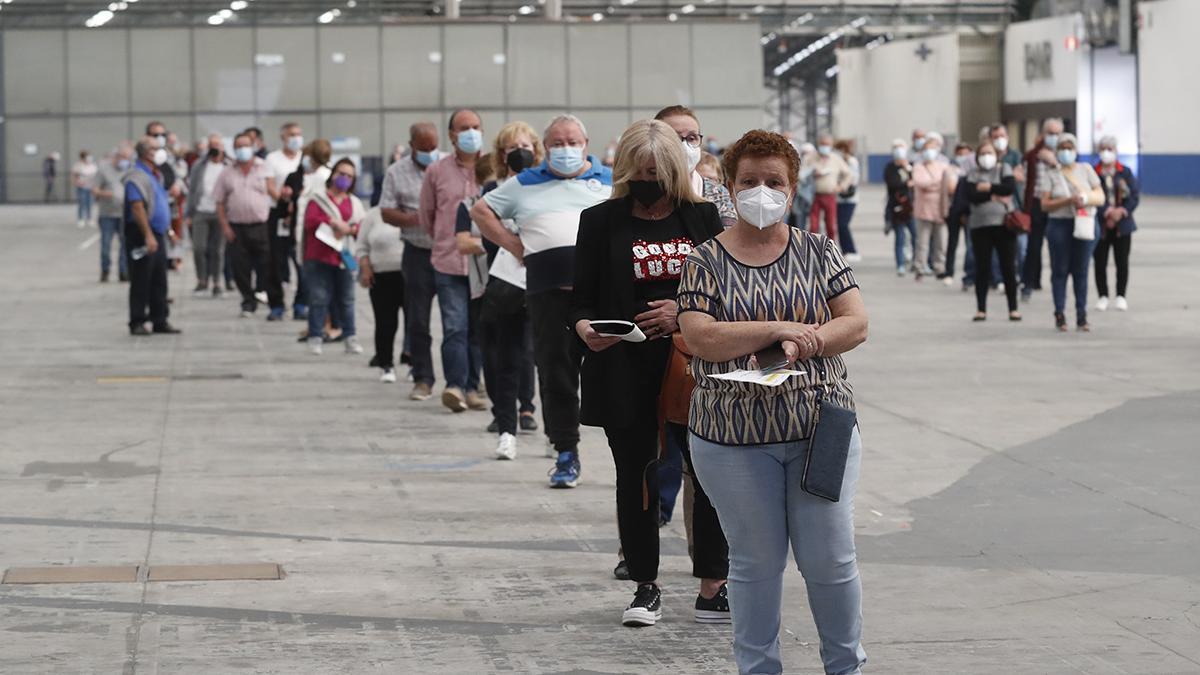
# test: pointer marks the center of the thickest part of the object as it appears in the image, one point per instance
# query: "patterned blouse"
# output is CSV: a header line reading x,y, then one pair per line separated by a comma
x,y
719,195
796,287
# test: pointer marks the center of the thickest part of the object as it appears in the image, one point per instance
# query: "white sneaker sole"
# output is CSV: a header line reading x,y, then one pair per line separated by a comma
x,y
637,617
506,455
710,616
563,486
454,403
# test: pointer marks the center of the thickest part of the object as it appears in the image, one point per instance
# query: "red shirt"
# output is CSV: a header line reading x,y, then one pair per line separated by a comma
x,y
314,216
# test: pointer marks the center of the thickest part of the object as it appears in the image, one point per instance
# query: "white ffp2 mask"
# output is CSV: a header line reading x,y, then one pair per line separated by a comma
x,y
761,206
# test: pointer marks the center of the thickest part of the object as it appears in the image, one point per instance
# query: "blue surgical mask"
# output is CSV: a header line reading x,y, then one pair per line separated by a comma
x,y
900,153
1051,141
426,158
470,141
929,154
825,150
306,164
294,143
918,143
566,160
244,153
1066,157
123,164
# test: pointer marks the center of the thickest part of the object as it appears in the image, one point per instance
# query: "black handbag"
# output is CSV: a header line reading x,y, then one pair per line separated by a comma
x,y
828,445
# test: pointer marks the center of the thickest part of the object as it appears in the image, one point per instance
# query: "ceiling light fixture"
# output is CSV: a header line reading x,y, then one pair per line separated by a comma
x,y
817,46
688,9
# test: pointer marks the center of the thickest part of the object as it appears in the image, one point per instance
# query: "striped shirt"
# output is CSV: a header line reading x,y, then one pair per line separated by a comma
x,y
546,208
796,287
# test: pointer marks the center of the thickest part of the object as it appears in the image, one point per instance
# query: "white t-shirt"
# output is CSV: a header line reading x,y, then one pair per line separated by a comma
x,y
85,173
211,173
282,166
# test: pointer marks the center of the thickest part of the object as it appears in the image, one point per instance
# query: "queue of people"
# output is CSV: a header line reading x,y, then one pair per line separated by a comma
x,y
1008,204
625,289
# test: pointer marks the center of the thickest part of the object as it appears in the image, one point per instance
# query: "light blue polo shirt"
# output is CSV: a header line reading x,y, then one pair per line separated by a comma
x,y
545,208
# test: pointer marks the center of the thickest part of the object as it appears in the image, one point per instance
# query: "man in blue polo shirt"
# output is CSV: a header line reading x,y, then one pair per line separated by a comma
x,y
147,220
545,202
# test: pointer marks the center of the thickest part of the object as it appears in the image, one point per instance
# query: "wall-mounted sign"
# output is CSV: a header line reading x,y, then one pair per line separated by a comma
x,y
268,60
30,149
1039,61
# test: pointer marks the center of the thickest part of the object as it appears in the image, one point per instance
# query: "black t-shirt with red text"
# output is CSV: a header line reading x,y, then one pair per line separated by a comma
x,y
659,249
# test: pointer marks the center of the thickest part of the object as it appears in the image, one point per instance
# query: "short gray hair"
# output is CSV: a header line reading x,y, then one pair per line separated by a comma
x,y
565,117
144,146
1052,120
1108,142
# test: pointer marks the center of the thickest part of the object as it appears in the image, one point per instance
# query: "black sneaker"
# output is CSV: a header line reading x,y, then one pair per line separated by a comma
x,y
527,422
646,608
715,610
621,571
494,427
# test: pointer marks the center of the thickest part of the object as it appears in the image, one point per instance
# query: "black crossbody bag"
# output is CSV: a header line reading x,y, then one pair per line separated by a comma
x,y
828,446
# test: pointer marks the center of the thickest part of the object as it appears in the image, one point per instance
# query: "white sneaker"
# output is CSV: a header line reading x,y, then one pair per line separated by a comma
x,y
352,347
261,296
949,281
1102,304
388,376
200,293
1121,304
81,224
507,448
853,257
314,346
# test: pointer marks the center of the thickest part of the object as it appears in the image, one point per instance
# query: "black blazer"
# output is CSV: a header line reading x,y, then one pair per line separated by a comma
x,y
604,290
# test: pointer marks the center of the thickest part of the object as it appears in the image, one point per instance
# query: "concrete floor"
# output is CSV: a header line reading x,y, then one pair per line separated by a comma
x,y
1030,501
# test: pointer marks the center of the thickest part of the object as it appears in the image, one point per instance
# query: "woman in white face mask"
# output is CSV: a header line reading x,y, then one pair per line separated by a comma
x,y
1121,196
762,287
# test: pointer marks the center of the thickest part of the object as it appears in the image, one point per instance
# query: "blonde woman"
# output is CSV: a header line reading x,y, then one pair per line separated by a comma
x,y
507,340
629,256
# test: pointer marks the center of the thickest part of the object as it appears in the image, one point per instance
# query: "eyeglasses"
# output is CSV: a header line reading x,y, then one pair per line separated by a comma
x,y
693,140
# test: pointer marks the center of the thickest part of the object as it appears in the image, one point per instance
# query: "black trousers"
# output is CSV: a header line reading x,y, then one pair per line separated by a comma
x,y
251,255
952,234
283,259
147,280
985,240
419,289
507,344
1120,247
556,351
387,298
1031,276
634,451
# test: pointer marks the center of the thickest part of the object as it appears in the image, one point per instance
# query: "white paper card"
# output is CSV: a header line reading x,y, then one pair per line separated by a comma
x,y
506,267
629,331
325,235
771,379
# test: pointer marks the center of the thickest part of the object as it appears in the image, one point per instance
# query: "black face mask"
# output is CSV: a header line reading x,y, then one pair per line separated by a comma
x,y
214,153
520,159
646,191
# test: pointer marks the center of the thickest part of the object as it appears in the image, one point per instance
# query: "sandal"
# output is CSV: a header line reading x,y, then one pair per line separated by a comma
x,y
1014,316
980,316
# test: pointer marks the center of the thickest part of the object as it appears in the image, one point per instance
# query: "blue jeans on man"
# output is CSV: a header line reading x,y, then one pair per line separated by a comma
x,y
461,357
111,226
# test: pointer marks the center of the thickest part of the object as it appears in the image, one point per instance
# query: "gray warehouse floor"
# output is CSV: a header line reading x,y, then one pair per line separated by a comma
x,y
1030,501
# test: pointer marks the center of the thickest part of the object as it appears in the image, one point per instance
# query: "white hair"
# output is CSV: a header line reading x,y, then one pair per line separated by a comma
x,y
1051,120
565,117
899,143
935,136
1108,142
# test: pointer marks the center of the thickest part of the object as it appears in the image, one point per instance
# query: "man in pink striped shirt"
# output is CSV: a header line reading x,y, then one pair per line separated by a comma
x,y
243,197
447,183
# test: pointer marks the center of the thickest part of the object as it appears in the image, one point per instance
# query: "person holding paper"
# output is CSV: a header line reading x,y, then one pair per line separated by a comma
x,y
630,254
331,220
757,285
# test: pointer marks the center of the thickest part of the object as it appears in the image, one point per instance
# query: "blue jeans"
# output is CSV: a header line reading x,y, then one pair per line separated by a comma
x,y
109,226
1069,257
83,206
845,211
756,491
670,470
900,229
328,285
461,360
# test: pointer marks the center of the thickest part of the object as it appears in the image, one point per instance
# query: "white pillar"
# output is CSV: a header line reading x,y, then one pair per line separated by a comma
x,y
452,9
554,10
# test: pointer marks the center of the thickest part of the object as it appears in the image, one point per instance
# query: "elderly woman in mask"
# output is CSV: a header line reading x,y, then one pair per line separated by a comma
x,y
763,285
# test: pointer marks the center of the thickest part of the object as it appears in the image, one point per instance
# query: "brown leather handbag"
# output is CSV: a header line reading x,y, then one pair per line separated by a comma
x,y
675,397
1017,222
